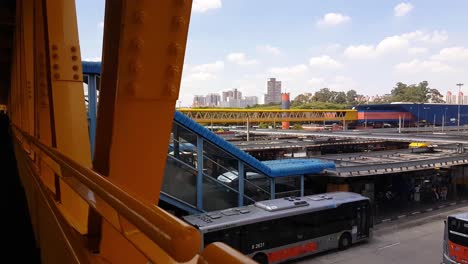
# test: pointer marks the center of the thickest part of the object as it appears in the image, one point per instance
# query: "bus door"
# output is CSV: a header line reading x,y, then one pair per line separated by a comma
x,y
362,221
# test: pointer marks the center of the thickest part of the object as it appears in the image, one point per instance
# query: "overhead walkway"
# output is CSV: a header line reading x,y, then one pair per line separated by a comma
x,y
204,172
212,182
218,115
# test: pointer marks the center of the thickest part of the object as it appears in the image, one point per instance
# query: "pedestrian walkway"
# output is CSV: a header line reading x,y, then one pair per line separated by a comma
x,y
17,232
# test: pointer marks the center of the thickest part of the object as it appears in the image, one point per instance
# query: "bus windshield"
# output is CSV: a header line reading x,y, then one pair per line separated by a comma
x,y
456,239
458,231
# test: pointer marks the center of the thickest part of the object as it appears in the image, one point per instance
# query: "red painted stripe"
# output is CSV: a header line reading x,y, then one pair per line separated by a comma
x,y
459,251
287,253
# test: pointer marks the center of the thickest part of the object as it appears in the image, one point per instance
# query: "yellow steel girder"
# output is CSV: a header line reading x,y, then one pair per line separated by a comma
x,y
254,115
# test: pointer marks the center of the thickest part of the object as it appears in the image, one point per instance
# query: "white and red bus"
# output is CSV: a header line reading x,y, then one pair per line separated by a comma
x,y
278,230
456,239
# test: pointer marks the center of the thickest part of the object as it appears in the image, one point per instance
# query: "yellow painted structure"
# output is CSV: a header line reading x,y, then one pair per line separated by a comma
x,y
258,115
102,210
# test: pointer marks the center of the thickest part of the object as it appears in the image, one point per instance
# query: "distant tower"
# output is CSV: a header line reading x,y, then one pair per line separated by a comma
x,y
285,104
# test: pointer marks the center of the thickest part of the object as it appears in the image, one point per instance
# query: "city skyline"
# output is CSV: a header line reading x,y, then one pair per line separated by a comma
x,y
227,99
366,46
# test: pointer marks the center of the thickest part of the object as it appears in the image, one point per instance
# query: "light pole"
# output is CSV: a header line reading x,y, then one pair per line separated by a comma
x,y
459,102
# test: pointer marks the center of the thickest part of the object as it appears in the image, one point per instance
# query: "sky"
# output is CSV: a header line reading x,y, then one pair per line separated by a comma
x,y
366,45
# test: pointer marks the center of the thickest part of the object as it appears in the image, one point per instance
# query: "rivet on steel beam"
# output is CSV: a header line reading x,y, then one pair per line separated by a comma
x,y
73,49
75,67
55,56
74,57
137,44
178,22
170,89
76,76
139,17
172,72
181,2
54,47
174,49
135,67
55,66
56,75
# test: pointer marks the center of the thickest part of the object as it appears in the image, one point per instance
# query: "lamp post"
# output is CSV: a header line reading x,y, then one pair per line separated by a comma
x,y
459,102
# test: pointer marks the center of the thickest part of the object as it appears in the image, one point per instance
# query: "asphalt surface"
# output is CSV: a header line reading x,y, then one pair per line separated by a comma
x,y
415,240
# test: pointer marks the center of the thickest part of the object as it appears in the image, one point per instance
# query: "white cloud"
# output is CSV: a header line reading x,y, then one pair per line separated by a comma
x,y
360,52
202,72
418,51
402,9
316,82
293,70
434,37
269,49
200,76
392,44
240,58
100,24
204,5
425,66
397,44
209,67
333,19
324,62
93,59
452,54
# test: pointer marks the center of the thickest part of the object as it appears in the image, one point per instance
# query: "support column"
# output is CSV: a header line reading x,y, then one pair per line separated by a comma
x,y
200,173
143,55
69,122
302,185
272,188
92,109
241,178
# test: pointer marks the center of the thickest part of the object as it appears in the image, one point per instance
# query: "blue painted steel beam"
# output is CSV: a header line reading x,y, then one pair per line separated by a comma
x,y
241,184
302,185
200,173
272,188
92,109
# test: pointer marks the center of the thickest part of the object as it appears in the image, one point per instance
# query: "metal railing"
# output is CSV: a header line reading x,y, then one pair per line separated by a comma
x,y
180,241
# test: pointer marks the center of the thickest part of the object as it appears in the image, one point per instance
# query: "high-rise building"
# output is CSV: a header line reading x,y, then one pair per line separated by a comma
x,y
199,100
249,101
233,94
273,94
213,99
449,98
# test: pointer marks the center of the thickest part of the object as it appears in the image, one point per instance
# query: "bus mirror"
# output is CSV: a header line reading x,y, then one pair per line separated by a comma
x,y
445,222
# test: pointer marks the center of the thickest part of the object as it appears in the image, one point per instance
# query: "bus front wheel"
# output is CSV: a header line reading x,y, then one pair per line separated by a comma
x,y
261,258
345,241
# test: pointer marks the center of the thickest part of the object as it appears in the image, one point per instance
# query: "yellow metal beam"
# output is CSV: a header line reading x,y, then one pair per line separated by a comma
x,y
143,54
69,122
259,115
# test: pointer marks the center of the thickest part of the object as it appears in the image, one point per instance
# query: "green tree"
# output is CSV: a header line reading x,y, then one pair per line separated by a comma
x,y
351,97
417,93
301,99
323,95
340,98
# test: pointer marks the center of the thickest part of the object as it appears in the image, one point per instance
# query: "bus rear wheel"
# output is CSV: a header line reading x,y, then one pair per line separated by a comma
x,y
261,258
345,241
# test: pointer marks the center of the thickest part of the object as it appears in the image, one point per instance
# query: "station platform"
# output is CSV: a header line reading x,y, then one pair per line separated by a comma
x,y
17,231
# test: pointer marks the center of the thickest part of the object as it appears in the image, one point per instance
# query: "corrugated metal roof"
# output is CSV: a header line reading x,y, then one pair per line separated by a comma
x,y
91,67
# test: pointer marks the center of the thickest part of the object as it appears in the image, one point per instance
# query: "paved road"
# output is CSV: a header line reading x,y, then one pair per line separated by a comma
x,y
412,240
